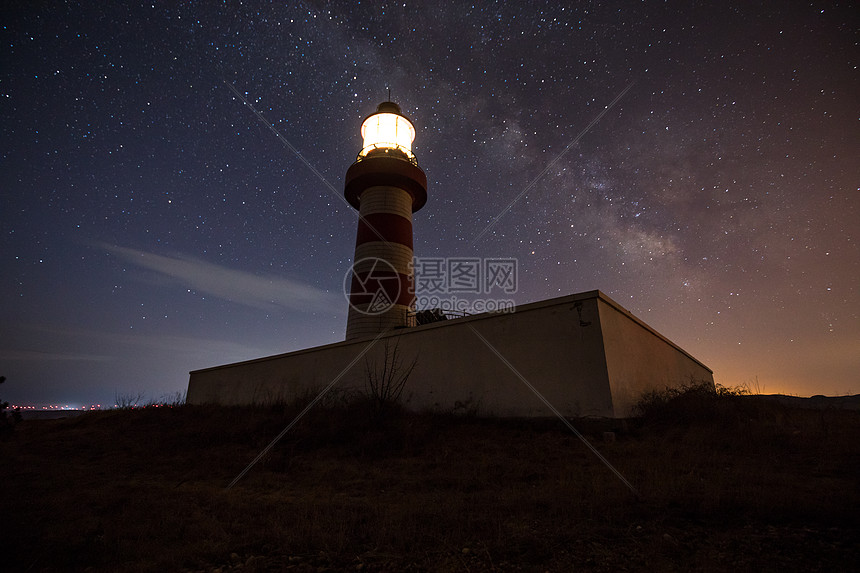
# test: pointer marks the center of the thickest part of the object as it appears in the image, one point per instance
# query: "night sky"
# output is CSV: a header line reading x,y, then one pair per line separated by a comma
x,y
152,224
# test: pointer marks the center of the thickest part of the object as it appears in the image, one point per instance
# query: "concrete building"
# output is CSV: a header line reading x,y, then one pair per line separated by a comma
x,y
583,353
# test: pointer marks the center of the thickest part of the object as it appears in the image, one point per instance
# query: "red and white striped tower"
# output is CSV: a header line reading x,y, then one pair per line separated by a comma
x,y
386,185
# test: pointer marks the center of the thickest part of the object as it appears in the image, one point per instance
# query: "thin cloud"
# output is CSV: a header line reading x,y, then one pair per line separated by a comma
x,y
266,292
192,351
37,356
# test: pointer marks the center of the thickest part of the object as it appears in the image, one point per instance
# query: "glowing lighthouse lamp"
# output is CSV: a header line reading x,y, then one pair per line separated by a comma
x,y
386,186
386,131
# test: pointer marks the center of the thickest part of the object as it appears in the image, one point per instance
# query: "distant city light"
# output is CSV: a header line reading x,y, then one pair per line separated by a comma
x,y
54,407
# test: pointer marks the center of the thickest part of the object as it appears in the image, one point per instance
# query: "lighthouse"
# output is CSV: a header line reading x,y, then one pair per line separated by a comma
x,y
386,186
583,352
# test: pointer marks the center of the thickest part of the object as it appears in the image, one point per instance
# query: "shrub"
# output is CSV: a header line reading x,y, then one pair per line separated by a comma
x,y
385,381
691,403
7,422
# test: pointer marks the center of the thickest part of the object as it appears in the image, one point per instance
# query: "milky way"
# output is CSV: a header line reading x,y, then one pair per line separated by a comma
x,y
697,164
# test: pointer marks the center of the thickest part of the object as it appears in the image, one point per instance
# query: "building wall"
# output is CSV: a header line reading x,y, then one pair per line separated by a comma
x,y
558,346
561,359
639,359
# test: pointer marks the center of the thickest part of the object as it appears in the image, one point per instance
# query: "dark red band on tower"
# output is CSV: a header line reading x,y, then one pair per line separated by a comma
x,y
364,289
388,227
385,171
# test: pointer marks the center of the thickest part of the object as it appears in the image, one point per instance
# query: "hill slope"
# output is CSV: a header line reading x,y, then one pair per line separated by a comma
x,y
725,483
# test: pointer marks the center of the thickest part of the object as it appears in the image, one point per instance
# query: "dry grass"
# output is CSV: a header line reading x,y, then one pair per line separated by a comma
x,y
726,483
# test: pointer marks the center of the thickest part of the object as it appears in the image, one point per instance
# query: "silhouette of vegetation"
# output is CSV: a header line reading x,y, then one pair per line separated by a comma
x,y
128,401
386,379
695,401
7,420
131,401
